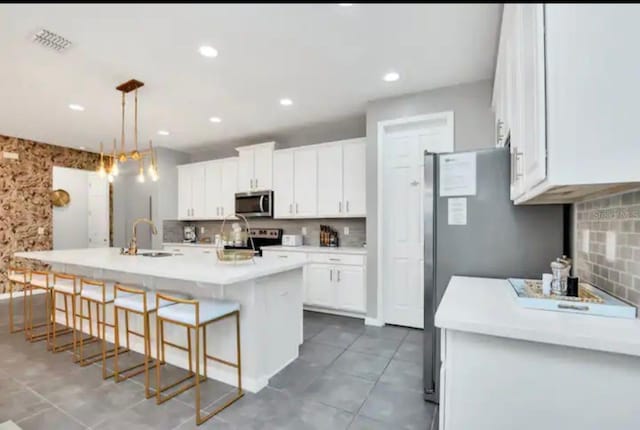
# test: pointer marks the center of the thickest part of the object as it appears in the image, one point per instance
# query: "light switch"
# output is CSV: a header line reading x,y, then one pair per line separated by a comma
x,y
201,230
346,231
610,249
585,240
304,231
40,230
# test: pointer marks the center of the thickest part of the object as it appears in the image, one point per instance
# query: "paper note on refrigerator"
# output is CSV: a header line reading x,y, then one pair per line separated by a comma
x,y
458,174
457,211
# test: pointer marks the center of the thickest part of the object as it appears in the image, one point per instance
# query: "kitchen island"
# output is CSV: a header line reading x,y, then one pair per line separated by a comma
x,y
507,367
269,293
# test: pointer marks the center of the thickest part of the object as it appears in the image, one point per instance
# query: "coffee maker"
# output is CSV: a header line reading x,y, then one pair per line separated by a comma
x,y
189,234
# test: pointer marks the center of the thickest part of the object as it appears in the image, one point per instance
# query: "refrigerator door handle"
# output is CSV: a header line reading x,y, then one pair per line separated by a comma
x,y
430,286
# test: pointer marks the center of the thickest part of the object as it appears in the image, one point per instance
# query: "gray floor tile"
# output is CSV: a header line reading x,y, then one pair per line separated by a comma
x,y
50,419
338,336
365,366
415,336
296,377
256,411
313,416
376,345
404,409
319,353
17,402
147,415
311,329
403,374
211,424
340,391
211,392
364,423
410,351
387,332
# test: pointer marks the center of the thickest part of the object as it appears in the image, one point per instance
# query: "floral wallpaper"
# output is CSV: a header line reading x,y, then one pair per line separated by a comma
x,y
25,187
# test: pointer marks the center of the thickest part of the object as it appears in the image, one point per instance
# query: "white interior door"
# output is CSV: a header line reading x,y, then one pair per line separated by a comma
x,y
98,211
283,184
330,180
306,182
402,216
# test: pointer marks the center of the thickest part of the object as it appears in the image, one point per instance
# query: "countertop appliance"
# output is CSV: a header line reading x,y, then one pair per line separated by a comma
x,y
497,240
189,234
261,237
292,240
255,204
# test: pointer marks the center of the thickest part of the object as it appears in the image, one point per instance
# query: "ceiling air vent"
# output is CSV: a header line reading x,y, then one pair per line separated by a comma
x,y
51,40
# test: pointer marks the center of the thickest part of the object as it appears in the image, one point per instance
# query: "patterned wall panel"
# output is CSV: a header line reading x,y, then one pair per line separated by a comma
x,y
25,186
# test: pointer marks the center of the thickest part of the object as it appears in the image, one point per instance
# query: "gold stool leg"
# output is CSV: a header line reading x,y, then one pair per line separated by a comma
x,y
12,328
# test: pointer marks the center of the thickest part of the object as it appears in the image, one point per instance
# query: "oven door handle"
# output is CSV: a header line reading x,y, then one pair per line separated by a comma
x,y
262,203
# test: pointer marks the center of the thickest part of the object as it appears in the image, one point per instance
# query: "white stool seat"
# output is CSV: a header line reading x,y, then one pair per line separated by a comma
x,y
94,292
209,310
19,277
134,302
64,286
41,280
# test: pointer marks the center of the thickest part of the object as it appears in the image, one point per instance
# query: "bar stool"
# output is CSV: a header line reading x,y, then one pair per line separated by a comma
x,y
195,314
40,280
99,293
64,285
17,276
143,303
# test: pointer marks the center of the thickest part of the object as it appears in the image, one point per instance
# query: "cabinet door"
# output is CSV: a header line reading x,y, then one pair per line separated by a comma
x,y
349,285
245,170
319,285
354,180
283,184
533,94
229,186
330,181
305,183
198,192
213,190
184,193
263,167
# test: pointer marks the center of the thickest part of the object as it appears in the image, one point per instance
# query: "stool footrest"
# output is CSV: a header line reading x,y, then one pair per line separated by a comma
x,y
161,399
94,358
200,420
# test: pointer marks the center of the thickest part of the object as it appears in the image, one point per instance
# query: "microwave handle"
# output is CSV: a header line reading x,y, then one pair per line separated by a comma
x,y
262,203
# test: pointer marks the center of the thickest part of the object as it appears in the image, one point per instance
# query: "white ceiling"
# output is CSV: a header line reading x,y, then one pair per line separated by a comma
x,y
328,59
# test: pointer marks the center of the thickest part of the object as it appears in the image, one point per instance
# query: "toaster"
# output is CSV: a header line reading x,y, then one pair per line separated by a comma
x,y
291,240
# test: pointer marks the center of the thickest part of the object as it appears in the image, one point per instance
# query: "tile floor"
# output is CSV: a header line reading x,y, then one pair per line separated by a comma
x,y
348,376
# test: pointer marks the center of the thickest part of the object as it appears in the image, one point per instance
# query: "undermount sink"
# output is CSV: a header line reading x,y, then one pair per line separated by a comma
x,y
156,254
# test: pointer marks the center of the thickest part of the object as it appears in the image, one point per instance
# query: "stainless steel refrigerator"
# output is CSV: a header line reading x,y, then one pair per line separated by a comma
x,y
499,240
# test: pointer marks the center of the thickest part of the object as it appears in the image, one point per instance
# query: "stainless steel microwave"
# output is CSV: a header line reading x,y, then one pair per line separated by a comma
x,y
255,204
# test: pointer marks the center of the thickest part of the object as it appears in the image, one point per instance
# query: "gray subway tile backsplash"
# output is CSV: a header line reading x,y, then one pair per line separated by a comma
x,y
172,230
620,215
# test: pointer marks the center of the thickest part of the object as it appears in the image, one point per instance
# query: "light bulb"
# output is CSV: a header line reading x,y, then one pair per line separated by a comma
x,y
110,178
141,177
114,169
155,177
101,171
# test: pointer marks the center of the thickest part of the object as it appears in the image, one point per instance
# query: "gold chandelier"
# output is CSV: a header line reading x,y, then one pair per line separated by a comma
x,y
109,164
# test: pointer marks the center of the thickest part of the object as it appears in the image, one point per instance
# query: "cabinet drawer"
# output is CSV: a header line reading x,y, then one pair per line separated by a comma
x,y
331,258
283,255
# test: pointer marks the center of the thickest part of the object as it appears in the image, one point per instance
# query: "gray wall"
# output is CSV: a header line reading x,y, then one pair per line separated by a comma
x,y
131,199
474,129
306,135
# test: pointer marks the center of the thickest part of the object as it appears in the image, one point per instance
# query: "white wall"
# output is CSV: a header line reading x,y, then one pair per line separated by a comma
x,y
474,129
70,223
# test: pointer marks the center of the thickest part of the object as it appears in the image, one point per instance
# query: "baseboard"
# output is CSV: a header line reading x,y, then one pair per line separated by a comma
x,y
19,294
373,322
333,311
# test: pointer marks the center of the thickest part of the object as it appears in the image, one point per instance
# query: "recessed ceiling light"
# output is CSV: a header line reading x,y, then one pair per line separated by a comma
x,y
345,4
391,77
82,148
76,107
215,119
208,51
163,132
286,102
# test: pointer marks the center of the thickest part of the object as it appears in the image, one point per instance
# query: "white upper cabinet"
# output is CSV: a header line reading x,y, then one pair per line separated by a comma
x,y
207,190
255,167
295,185
562,97
229,186
330,180
191,192
354,182
283,184
213,187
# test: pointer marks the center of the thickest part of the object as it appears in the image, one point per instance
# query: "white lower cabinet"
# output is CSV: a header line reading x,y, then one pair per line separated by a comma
x,y
333,282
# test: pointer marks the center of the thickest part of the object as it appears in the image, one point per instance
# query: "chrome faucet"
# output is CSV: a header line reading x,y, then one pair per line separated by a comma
x,y
133,245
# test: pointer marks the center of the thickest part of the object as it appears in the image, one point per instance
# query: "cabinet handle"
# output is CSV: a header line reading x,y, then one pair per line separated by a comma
x,y
251,184
518,158
256,182
222,210
290,208
296,207
347,205
283,256
334,259
338,275
331,275
340,207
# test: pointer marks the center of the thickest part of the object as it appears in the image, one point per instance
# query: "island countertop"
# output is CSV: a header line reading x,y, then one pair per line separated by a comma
x,y
194,268
488,306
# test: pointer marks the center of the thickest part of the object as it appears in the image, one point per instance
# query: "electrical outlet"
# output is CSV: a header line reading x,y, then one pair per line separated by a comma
x,y
610,247
346,231
304,231
40,230
585,240
201,230
10,155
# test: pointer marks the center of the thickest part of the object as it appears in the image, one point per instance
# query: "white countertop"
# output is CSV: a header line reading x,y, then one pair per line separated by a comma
x,y
190,244
488,306
203,268
317,249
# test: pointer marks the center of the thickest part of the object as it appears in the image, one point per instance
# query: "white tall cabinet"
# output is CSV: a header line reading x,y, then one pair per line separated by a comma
x,y
191,192
255,167
562,97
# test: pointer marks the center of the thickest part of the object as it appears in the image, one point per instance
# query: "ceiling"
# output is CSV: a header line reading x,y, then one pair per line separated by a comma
x,y
327,58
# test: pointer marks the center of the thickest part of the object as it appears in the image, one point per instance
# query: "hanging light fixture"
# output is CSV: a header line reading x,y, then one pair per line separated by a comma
x,y
110,168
